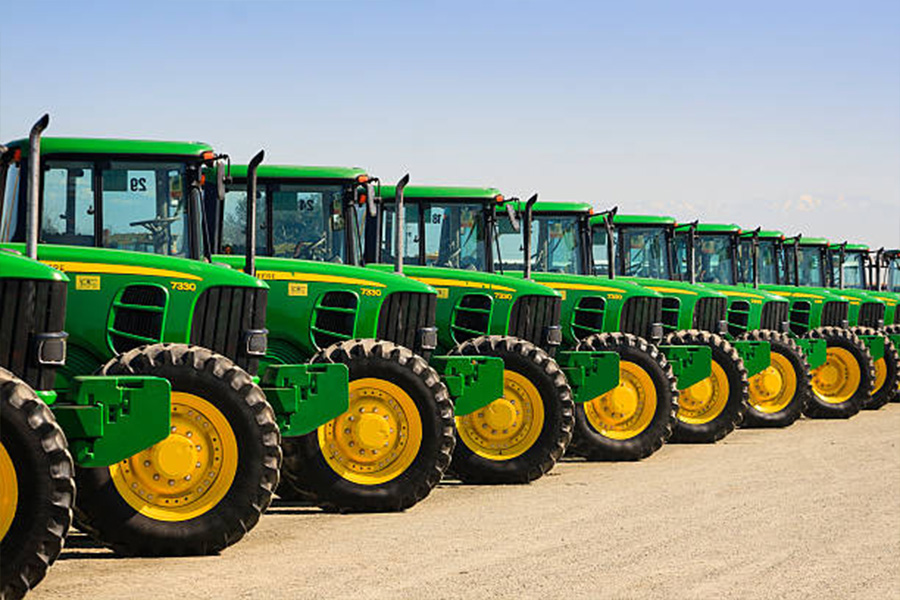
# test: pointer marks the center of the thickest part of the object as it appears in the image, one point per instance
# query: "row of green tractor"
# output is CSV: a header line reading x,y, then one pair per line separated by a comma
x,y
183,338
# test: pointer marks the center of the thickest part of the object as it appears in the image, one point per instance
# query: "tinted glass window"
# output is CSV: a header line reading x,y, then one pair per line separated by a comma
x,y
809,265
9,205
67,215
411,234
854,270
714,263
234,220
643,252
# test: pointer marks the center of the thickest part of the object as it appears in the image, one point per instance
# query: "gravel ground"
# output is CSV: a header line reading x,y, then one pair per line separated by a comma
x,y
808,512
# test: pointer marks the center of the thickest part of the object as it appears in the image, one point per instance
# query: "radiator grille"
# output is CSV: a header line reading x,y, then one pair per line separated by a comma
x,y
870,313
532,315
335,318
471,317
774,313
222,316
671,311
799,317
588,317
27,307
708,312
834,313
403,314
738,317
639,314
137,317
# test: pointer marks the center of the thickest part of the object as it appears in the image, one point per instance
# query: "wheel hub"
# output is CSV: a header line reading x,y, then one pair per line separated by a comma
x,y
768,383
705,400
839,378
186,474
625,411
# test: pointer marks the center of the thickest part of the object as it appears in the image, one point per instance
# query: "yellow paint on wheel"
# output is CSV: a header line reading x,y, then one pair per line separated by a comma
x,y
773,389
627,410
187,474
880,375
379,436
838,379
9,491
705,400
508,426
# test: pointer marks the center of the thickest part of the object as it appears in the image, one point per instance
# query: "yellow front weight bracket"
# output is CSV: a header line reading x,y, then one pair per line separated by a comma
x,y
691,364
757,355
305,397
590,374
472,381
815,350
108,419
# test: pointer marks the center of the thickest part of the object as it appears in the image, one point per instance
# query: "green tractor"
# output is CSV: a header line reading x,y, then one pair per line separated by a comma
x,y
176,447
513,420
844,380
639,250
778,392
393,445
845,267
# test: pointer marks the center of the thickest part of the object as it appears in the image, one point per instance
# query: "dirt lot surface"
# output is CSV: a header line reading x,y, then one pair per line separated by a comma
x,y
809,512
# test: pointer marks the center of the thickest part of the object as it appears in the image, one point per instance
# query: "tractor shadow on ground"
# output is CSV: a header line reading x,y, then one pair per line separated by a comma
x,y
80,545
282,507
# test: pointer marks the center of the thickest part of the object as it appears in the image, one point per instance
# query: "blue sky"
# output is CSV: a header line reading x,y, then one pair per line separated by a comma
x,y
784,114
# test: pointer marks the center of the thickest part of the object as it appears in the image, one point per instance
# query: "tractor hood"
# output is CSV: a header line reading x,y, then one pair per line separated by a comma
x,y
441,277
14,265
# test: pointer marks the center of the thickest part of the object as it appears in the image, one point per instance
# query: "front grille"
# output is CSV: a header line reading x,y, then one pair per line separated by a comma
x,y
222,316
588,317
834,313
738,317
471,317
531,316
871,313
137,317
774,314
28,307
639,314
671,311
708,313
335,318
403,315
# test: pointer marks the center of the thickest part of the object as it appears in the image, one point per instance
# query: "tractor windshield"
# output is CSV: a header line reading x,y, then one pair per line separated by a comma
x,y
854,267
142,206
893,274
643,252
297,221
772,267
810,266
713,257
554,245
446,234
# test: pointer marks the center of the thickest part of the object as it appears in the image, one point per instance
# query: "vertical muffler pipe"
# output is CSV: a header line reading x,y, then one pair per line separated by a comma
x,y
34,182
879,258
840,266
526,233
608,217
691,252
797,259
250,264
400,233
755,256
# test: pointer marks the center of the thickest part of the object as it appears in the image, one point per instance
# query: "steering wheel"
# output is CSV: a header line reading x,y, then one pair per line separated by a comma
x,y
156,225
308,248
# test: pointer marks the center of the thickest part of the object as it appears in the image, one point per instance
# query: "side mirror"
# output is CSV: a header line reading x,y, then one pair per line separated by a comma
x,y
371,200
220,179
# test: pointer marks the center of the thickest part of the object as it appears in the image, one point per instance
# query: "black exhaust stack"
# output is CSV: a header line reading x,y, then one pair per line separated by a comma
x,y
400,234
526,232
608,217
250,264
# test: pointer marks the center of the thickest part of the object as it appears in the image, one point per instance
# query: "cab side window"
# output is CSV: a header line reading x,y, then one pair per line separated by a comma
x,y
67,214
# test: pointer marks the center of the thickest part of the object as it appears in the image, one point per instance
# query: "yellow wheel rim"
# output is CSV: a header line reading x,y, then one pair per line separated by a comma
x,y
9,491
508,426
627,410
188,473
838,379
880,375
378,438
705,400
773,389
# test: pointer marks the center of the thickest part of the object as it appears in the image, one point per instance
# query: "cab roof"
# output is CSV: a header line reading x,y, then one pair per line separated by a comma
x,y
59,145
635,220
300,172
444,192
711,228
552,206
764,233
810,241
858,247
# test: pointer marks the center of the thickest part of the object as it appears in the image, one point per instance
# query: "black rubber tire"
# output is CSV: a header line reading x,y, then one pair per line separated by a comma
x,y
732,414
846,339
545,374
105,515
782,344
888,390
590,443
46,487
894,329
311,478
